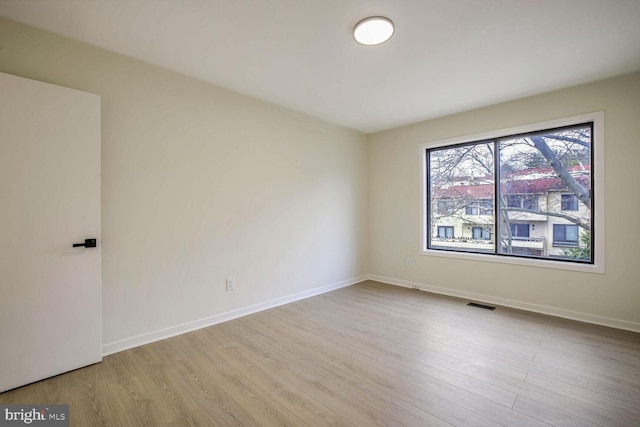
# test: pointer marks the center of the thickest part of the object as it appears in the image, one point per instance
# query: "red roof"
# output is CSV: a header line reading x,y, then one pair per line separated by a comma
x,y
514,184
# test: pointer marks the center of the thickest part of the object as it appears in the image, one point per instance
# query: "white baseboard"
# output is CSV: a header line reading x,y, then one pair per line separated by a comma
x,y
552,311
158,335
172,331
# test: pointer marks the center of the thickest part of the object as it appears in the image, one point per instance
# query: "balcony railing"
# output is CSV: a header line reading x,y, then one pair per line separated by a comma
x,y
527,242
470,243
462,243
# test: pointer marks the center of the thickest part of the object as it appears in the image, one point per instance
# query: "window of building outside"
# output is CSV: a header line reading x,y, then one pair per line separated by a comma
x,y
522,201
569,202
446,206
524,195
565,235
445,232
481,233
519,230
481,207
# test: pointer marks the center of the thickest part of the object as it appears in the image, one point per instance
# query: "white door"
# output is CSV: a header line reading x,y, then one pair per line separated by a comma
x,y
50,292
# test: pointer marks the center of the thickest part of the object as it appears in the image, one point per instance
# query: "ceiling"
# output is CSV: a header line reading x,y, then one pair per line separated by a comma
x,y
445,57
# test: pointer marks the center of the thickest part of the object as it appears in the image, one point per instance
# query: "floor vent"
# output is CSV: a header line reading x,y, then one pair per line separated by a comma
x,y
486,307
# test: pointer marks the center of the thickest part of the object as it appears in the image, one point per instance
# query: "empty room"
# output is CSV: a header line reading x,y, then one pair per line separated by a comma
x,y
308,213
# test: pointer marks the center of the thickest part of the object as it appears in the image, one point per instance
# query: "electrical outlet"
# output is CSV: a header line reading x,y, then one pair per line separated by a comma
x,y
231,283
409,262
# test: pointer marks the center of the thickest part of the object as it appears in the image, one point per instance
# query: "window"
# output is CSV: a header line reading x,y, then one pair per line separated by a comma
x,y
565,235
482,207
481,233
529,202
445,232
514,201
446,206
569,202
519,230
528,193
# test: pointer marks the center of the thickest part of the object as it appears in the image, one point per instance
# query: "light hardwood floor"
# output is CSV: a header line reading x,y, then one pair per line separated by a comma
x,y
370,354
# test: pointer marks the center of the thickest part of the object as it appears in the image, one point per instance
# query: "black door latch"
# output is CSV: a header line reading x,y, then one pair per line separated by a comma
x,y
88,243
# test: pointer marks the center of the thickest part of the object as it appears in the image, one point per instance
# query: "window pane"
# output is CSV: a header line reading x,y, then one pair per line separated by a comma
x,y
530,202
463,175
571,233
477,232
480,233
545,180
446,206
486,207
514,201
519,230
565,235
445,232
569,202
528,194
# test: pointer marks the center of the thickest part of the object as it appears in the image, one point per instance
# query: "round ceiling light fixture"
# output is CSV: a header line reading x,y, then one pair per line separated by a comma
x,y
373,30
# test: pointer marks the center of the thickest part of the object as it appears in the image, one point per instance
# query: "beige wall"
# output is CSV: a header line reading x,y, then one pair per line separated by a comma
x,y
199,184
395,210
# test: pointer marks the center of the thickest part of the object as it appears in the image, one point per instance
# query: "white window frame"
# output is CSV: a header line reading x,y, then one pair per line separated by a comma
x,y
598,174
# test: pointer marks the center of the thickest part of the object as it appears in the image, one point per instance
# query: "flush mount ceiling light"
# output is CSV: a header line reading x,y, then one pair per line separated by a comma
x,y
373,30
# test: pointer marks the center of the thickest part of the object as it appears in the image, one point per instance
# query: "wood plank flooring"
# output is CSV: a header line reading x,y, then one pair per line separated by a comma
x,y
370,354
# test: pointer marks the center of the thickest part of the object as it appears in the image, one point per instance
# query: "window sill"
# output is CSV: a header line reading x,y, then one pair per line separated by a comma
x,y
597,267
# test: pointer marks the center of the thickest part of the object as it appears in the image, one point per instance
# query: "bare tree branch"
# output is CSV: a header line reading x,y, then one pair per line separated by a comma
x,y
559,137
578,189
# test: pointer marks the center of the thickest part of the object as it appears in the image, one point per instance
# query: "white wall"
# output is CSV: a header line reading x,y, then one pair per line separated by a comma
x,y
395,210
200,184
